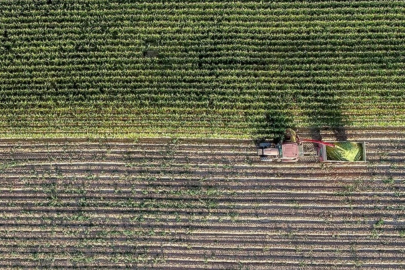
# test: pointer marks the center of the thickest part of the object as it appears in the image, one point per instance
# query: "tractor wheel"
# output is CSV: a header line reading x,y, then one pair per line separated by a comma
x,y
265,158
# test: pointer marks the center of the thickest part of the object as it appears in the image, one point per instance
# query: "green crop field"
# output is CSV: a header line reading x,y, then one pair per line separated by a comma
x,y
129,134
241,69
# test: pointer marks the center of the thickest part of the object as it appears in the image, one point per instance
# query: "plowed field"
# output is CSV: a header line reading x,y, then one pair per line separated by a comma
x,y
199,204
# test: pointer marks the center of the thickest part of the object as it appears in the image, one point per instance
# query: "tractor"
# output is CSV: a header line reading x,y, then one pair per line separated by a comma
x,y
291,148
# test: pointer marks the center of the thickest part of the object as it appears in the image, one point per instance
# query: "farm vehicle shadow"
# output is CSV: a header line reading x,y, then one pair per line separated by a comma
x,y
327,115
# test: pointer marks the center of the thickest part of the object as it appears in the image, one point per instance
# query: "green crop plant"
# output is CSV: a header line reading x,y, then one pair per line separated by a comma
x,y
220,77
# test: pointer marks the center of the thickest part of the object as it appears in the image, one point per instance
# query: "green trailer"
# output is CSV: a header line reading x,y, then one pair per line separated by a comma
x,y
342,152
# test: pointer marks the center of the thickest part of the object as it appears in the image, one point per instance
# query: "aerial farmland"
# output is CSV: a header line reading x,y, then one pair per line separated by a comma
x,y
129,134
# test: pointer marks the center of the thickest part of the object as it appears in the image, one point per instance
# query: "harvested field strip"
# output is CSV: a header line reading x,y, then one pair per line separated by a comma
x,y
168,204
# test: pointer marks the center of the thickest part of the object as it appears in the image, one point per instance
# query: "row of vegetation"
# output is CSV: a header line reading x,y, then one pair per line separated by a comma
x,y
198,69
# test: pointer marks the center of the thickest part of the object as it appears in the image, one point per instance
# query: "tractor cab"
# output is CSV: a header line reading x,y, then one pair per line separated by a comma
x,y
286,150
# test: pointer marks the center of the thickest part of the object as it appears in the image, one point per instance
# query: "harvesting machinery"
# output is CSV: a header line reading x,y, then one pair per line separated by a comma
x,y
293,149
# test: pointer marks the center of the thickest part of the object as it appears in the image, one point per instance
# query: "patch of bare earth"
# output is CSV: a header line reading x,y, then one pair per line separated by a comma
x,y
193,204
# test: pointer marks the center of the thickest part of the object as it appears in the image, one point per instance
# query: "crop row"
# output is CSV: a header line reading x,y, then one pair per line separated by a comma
x,y
46,110
174,102
294,54
229,23
76,72
284,7
364,90
240,42
189,78
42,42
368,92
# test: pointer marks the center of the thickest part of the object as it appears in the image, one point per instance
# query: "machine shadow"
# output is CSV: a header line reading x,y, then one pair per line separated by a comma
x,y
323,111
275,121
327,116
